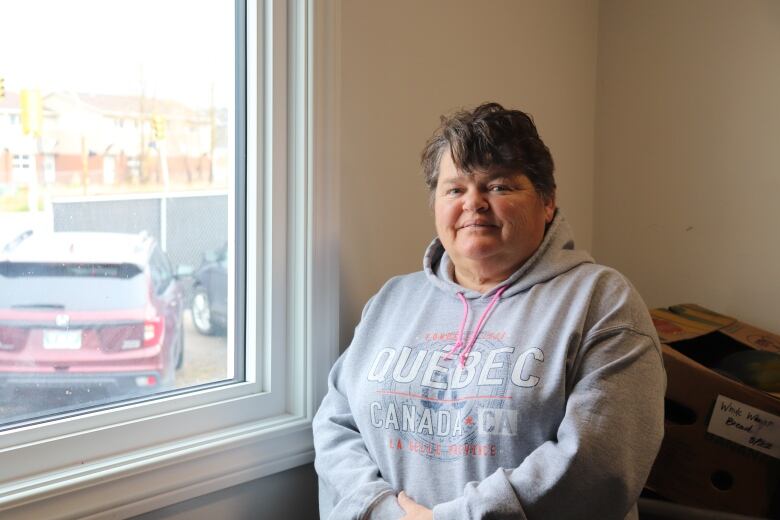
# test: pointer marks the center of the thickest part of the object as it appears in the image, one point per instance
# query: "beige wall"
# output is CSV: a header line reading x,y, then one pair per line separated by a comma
x,y
404,63
688,152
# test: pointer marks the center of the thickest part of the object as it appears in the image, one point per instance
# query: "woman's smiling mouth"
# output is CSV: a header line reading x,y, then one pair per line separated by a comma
x,y
477,226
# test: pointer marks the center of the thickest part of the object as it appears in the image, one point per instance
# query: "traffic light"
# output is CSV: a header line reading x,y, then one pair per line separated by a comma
x,y
158,128
32,112
2,88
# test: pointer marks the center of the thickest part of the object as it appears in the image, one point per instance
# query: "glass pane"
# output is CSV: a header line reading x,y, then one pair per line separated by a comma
x,y
116,201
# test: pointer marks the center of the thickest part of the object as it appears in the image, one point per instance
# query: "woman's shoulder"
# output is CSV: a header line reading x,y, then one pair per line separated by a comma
x,y
609,296
402,287
591,273
399,294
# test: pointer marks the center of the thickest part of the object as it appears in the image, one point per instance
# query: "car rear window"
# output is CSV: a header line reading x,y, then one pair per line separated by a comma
x,y
71,286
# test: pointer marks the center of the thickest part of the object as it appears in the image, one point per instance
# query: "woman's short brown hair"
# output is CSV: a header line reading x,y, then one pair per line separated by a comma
x,y
490,137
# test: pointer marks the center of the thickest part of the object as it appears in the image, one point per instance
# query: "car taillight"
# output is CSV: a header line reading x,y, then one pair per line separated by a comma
x,y
153,330
12,338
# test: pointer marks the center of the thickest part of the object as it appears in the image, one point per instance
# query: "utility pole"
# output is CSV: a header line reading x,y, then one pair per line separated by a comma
x,y
142,124
32,122
213,134
84,164
159,131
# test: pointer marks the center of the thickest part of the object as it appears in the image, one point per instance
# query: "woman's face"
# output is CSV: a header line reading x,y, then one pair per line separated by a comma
x,y
493,220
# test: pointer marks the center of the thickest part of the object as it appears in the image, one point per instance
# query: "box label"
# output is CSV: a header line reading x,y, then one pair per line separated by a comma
x,y
746,425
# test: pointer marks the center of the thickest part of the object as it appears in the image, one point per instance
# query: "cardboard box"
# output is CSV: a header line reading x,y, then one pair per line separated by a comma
x,y
721,449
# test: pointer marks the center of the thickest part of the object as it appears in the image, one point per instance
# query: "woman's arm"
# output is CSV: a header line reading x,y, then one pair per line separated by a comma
x,y
605,445
350,483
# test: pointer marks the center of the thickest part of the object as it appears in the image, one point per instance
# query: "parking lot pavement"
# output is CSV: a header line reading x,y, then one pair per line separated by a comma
x,y
205,361
205,357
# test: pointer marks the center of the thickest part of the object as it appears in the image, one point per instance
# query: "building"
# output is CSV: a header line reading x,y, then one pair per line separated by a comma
x,y
99,141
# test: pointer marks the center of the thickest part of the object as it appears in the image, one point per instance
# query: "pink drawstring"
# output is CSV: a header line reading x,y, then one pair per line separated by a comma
x,y
459,343
473,339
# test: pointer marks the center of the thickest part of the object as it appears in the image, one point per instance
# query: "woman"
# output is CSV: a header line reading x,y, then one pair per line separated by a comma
x,y
512,377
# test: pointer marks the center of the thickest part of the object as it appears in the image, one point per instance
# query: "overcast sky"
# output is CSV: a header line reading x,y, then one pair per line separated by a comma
x,y
104,47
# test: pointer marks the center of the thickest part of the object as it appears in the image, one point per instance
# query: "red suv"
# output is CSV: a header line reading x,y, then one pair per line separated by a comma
x,y
89,310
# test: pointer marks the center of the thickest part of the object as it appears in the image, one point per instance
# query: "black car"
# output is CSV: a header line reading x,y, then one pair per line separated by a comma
x,y
209,293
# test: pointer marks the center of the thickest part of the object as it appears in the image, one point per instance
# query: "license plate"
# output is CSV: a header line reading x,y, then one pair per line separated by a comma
x,y
62,339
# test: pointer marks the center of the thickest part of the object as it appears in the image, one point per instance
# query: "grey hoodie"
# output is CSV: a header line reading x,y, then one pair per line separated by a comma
x,y
549,404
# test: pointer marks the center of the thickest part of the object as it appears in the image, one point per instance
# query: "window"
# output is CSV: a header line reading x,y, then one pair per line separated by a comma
x,y
138,454
90,211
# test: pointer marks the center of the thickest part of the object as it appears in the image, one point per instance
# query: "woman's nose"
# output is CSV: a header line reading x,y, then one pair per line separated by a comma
x,y
475,200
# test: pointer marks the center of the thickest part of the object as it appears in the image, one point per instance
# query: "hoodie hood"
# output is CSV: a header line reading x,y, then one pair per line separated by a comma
x,y
555,255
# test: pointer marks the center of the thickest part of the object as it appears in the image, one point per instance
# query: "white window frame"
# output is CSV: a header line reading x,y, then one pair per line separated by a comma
x,y
132,459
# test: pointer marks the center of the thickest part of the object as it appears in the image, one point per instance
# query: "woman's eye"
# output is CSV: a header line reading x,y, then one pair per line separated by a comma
x,y
453,191
499,187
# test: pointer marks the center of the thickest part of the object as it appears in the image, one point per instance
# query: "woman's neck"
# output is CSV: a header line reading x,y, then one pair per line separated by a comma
x,y
479,277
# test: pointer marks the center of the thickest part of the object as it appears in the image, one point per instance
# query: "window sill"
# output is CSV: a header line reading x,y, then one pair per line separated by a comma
x,y
138,482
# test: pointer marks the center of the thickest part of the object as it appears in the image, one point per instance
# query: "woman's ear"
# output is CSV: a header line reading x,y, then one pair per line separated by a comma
x,y
549,208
